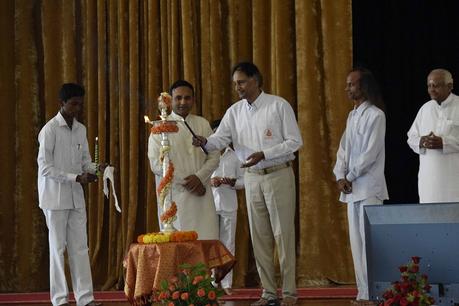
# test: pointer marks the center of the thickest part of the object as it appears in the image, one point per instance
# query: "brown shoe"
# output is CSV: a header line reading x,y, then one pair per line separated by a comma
x,y
288,301
93,303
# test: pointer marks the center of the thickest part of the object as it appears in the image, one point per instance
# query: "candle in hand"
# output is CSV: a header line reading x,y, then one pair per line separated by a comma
x,y
96,155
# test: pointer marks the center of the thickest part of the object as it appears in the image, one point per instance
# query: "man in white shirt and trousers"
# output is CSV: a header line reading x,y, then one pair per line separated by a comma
x,y
64,164
434,135
226,179
265,136
359,168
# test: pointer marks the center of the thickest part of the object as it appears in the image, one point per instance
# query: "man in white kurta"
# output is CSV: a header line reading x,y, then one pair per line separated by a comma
x,y
359,168
64,164
228,177
193,168
434,135
265,136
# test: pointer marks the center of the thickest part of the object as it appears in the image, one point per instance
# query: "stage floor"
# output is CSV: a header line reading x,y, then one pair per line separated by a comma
x,y
334,296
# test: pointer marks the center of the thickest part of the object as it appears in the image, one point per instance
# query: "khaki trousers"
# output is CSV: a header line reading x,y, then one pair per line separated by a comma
x,y
271,210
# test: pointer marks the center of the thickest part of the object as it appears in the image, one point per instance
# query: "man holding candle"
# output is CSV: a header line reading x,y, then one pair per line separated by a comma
x,y
193,167
64,165
265,135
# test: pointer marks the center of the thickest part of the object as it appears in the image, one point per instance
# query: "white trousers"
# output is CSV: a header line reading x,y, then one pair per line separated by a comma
x,y
67,230
227,221
355,214
271,209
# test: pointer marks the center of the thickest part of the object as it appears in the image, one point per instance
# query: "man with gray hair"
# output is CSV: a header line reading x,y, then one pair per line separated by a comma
x,y
434,135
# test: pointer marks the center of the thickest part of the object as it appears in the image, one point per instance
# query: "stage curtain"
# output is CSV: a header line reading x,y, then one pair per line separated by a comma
x,y
125,53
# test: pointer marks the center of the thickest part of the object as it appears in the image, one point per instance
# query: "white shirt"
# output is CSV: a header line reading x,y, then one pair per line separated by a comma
x,y
361,154
438,179
63,155
225,196
268,125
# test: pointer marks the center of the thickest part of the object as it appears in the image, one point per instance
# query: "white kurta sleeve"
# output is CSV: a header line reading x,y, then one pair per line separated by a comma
x,y
414,135
212,159
340,168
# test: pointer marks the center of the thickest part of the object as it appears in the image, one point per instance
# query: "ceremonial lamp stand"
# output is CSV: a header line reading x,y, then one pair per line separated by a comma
x,y
164,190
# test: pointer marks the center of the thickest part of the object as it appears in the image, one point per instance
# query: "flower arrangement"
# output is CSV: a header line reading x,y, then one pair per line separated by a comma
x,y
412,289
162,237
191,286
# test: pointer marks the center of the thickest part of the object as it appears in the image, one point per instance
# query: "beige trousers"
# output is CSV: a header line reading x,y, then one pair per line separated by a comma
x,y
271,209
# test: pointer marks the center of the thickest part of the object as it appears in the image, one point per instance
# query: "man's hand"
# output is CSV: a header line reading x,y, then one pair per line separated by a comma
x,y
253,159
194,185
86,178
344,186
199,141
215,181
228,181
102,167
431,141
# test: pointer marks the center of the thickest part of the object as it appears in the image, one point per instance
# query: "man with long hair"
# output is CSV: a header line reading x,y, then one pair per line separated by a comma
x,y
359,168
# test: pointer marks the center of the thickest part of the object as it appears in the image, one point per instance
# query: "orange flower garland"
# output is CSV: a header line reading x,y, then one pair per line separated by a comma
x,y
182,236
169,215
164,127
165,183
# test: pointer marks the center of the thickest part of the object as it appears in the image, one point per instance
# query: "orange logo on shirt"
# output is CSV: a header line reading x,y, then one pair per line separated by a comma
x,y
268,133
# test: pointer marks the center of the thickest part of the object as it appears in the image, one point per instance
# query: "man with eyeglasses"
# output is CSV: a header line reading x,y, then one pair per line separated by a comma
x,y
434,135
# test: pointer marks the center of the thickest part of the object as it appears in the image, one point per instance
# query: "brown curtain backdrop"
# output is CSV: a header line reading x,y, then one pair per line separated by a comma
x,y
125,53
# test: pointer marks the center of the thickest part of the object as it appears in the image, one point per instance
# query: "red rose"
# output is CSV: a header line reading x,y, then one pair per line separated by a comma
x,y
388,294
201,292
403,268
197,279
403,301
212,295
184,296
427,287
416,259
175,295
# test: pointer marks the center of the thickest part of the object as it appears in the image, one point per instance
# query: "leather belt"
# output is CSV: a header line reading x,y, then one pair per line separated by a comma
x,y
269,170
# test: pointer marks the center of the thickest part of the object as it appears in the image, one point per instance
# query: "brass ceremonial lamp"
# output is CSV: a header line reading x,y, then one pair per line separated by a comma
x,y
164,190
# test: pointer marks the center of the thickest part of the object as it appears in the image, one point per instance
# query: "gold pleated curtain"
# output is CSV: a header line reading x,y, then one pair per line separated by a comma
x,y
125,53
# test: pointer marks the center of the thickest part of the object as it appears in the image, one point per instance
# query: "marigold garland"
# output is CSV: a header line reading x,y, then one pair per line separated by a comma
x,y
169,215
164,127
165,184
164,237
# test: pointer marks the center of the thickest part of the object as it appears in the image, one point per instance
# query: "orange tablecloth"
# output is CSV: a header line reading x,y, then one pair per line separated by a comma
x,y
147,264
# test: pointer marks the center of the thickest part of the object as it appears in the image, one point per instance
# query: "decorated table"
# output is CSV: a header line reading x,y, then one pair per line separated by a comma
x,y
147,264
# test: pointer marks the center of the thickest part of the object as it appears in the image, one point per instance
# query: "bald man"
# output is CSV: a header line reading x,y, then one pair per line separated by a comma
x,y
434,135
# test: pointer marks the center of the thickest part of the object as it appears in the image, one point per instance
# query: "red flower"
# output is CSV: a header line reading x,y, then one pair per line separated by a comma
x,y
212,295
427,287
416,259
176,295
403,268
403,302
201,292
184,296
172,288
197,279
170,304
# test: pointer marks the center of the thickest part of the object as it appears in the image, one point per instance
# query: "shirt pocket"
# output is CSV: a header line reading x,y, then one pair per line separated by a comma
x,y
451,128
